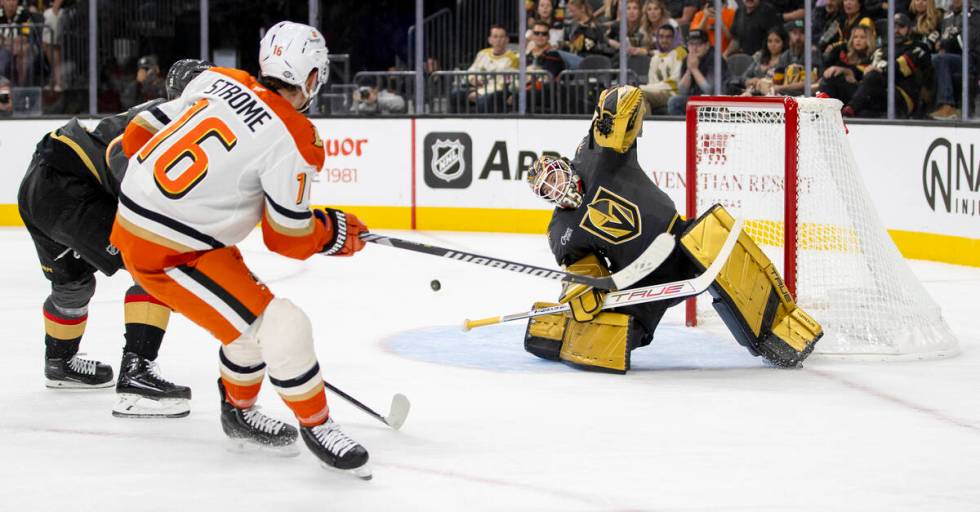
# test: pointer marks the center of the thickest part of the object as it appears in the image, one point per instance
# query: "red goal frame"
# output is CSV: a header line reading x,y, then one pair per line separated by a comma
x,y
790,109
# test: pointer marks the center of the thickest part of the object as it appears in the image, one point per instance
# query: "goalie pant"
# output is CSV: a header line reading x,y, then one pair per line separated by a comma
x,y
67,200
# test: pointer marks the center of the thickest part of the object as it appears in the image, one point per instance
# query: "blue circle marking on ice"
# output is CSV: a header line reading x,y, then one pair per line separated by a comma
x,y
501,348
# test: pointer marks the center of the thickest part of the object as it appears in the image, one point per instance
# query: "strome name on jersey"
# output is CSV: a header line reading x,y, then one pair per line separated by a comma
x,y
244,103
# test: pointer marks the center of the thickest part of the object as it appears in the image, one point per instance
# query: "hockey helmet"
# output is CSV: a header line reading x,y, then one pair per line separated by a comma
x,y
618,118
290,51
553,179
181,73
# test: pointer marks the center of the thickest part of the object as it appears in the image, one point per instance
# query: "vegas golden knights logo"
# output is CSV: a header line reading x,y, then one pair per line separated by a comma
x,y
612,218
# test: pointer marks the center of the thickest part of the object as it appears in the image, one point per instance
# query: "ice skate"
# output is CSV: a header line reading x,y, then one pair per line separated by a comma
x,y
250,430
144,393
76,373
335,450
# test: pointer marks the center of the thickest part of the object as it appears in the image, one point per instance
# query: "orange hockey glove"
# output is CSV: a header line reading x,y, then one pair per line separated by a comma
x,y
345,230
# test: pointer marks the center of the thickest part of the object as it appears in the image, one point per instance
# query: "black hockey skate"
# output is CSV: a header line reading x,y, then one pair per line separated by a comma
x,y
249,428
76,373
335,450
144,393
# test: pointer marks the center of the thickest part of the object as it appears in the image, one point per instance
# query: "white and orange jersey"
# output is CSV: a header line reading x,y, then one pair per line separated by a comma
x,y
207,167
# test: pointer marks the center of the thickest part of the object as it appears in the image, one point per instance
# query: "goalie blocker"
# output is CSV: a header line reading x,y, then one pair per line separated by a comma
x,y
748,293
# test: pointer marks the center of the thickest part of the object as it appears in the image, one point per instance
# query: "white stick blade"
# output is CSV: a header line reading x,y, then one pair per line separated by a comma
x,y
399,411
647,262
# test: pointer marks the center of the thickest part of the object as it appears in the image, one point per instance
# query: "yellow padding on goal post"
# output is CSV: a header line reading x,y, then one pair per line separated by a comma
x,y
813,237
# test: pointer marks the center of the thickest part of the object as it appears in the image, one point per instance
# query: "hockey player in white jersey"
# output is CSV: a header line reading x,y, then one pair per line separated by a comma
x,y
231,152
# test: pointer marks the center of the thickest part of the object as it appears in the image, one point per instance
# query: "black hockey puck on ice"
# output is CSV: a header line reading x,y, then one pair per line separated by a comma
x,y
436,285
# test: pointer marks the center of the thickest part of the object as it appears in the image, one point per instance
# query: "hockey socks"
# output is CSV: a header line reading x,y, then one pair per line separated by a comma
x,y
63,329
146,322
305,396
240,380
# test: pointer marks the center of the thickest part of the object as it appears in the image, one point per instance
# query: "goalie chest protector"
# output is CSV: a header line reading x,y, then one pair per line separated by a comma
x,y
622,210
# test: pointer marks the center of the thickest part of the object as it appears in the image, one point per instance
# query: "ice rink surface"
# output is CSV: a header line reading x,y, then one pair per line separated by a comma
x,y
698,424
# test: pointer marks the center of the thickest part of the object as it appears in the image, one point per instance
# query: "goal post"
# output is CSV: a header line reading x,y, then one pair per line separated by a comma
x,y
785,166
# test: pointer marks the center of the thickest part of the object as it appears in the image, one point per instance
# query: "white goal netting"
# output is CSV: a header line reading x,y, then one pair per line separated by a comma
x,y
849,275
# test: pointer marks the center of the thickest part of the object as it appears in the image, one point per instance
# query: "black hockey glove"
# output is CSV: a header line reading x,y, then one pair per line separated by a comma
x,y
345,229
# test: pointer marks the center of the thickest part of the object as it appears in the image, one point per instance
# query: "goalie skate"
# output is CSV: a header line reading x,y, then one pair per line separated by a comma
x,y
144,393
336,451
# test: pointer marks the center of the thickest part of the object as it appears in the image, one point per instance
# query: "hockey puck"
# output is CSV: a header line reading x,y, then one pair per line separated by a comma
x,y
436,285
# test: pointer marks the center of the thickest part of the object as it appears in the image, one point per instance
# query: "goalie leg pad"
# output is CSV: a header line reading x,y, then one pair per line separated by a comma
x,y
544,334
792,339
602,344
749,294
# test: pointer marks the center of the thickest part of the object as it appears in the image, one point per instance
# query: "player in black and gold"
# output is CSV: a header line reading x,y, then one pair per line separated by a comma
x,y
607,213
67,201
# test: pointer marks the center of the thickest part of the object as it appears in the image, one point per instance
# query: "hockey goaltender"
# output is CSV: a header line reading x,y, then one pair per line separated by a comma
x,y
607,212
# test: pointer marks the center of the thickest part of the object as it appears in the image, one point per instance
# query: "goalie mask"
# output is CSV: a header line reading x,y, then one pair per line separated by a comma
x,y
553,179
618,118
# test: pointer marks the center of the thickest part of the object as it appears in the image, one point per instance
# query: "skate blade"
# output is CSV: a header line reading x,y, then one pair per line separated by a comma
x,y
136,406
363,472
247,446
66,384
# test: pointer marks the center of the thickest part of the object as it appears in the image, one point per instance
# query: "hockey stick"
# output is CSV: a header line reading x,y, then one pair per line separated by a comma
x,y
657,292
396,416
650,259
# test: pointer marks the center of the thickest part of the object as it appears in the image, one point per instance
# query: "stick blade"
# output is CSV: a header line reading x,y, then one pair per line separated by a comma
x,y
399,411
647,262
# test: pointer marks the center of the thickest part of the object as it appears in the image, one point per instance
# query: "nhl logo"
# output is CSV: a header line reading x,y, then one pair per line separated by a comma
x,y
448,160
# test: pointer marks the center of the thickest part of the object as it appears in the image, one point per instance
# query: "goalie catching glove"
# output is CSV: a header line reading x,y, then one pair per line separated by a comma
x,y
345,232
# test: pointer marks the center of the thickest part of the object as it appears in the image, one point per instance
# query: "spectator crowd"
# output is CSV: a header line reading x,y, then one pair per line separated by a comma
x,y
670,45
37,69
671,48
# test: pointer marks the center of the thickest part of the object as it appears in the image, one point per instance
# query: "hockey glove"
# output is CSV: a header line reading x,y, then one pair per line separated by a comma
x,y
345,231
585,301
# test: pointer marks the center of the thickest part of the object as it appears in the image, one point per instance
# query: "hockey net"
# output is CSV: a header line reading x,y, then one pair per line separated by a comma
x,y
785,166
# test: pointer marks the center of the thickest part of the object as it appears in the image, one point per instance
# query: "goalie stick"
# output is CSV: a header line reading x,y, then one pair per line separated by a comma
x,y
647,262
657,292
396,415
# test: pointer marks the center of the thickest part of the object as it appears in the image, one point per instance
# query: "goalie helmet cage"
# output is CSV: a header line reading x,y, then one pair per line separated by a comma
x,y
784,165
